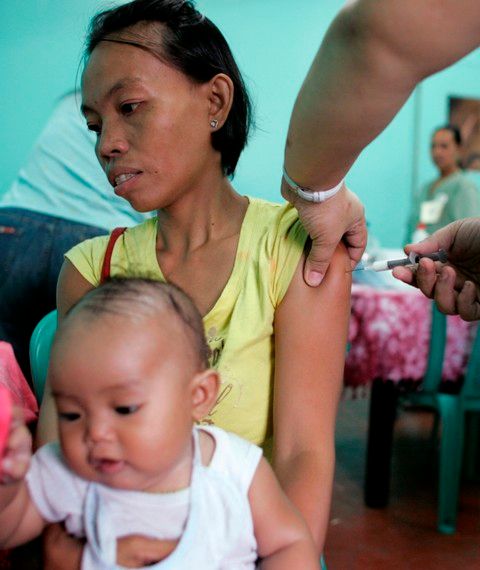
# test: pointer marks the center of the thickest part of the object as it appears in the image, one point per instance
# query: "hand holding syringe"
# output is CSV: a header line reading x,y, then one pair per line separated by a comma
x,y
409,261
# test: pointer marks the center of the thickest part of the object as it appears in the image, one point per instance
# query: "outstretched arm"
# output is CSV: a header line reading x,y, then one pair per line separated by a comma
x,y
372,57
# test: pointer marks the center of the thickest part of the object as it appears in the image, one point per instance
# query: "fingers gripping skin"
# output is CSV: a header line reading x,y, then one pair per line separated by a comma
x,y
339,218
455,287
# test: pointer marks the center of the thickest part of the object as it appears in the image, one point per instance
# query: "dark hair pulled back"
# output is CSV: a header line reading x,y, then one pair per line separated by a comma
x,y
457,135
192,44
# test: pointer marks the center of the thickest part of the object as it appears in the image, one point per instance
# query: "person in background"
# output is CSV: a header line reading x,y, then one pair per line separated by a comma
x,y
60,197
371,59
450,196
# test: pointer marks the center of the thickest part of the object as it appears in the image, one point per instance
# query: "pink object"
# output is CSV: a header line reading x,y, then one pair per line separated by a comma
x,y
12,378
5,417
390,333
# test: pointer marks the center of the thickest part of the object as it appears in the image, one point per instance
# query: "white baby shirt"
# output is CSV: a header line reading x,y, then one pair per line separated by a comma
x,y
212,517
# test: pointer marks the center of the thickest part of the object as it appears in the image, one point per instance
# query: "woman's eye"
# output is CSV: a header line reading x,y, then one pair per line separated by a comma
x,y
125,410
94,128
68,416
128,108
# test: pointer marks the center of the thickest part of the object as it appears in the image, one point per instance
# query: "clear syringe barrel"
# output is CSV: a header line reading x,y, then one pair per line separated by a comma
x,y
412,259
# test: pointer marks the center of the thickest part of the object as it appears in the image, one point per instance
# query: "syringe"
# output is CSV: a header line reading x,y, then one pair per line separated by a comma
x,y
412,259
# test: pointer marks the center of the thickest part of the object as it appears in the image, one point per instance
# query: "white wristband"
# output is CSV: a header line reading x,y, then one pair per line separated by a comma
x,y
311,195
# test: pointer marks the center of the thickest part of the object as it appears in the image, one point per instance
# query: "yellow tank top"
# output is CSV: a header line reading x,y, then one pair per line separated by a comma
x,y
239,328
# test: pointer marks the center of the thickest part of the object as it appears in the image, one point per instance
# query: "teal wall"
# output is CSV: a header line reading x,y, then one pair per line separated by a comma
x,y
274,42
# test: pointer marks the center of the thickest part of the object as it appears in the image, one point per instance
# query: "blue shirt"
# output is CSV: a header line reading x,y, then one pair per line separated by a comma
x,y
63,178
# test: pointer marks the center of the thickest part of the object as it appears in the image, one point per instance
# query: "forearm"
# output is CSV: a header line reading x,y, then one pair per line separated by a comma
x,y
13,503
307,479
370,60
60,550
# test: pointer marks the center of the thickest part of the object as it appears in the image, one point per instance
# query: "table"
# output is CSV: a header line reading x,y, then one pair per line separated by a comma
x,y
389,340
389,337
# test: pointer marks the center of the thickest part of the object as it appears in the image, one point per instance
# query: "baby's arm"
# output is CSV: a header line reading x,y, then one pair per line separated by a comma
x,y
20,520
283,539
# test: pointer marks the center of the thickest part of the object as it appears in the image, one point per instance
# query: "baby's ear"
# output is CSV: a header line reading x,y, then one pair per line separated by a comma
x,y
205,387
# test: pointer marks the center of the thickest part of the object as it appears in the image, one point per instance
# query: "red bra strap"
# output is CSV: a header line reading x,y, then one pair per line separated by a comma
x,y
116,233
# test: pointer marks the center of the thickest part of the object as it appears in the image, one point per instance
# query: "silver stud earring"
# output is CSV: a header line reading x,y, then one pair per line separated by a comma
x,y
214,123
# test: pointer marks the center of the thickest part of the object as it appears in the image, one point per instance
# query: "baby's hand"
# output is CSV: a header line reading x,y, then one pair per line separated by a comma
x,y
18,450
136,551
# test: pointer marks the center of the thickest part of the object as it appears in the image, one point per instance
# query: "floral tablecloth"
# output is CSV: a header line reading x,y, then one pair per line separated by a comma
x,y
389,337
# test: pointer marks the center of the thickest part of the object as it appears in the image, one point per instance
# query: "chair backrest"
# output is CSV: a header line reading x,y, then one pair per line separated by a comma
x,y
471,386
40,345
436,352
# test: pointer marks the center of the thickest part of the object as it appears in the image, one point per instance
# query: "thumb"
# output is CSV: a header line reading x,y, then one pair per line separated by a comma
x,y
441,239
318,261
428,245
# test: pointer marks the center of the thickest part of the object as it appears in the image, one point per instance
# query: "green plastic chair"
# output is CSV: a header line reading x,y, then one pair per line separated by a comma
x,y
40,346
451,410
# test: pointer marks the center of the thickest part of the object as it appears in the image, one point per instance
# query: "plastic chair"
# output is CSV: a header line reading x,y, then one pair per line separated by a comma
x,y
40,345
451,410
384,399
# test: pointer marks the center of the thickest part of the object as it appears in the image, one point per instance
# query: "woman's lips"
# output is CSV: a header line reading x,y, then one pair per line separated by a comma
x,y
125,183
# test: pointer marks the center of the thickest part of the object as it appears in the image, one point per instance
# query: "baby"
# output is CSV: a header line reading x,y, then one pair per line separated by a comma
x,y
130,378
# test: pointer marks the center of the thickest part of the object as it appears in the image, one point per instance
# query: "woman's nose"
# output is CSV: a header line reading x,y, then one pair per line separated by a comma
x,y
112,142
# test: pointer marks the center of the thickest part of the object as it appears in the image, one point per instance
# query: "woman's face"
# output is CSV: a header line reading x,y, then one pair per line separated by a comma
x,y
444,150
152,124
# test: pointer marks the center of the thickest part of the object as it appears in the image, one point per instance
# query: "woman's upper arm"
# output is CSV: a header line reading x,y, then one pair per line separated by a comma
x,y
71,287
310,345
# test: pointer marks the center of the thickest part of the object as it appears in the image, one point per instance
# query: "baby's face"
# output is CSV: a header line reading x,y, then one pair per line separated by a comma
x,y
124,400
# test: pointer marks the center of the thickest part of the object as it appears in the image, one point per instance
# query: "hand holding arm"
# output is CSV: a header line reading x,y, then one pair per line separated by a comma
x,y
340,217
455,287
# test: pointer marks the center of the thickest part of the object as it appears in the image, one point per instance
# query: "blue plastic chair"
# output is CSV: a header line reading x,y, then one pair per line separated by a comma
x,y
40,346
450,410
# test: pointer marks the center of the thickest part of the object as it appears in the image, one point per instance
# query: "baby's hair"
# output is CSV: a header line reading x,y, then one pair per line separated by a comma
x,y
139,298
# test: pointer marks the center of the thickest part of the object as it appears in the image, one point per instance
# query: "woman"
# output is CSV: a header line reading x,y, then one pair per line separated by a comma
x,y
452,195
165,97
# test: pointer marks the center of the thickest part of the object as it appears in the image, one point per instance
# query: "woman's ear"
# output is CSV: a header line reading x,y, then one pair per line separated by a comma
x,y
205,387
221,99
